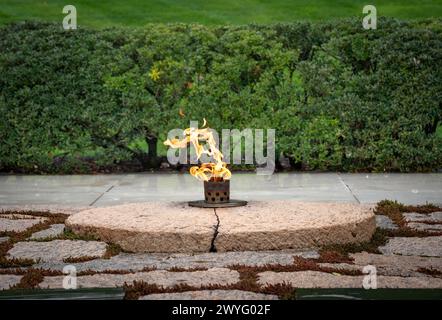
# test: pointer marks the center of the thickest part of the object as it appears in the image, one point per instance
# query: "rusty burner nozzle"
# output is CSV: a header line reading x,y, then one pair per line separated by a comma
x,y
217,195
217,191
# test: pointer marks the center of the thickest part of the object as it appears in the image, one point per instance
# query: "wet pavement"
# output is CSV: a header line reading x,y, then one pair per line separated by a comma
x,y
104,190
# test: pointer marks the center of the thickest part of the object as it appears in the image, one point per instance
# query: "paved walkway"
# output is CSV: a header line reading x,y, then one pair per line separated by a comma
x,y
103,190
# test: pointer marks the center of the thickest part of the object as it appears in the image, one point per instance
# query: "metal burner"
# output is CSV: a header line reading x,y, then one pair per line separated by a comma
x,y
217,195
230,204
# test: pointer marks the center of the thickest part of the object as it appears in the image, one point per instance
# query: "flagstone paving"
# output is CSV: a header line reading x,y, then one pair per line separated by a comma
x,y
397,265
317,279
425,226
53,231
385,222
210,295
342,266
431,222
57,250
391,265
51,208
18,222
8,280
4,239
419,217
413,246
403,262
139,261
221,276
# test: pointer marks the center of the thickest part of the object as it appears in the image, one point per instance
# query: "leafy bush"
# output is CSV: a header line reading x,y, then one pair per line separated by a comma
x,y
339,97
51,96
384,87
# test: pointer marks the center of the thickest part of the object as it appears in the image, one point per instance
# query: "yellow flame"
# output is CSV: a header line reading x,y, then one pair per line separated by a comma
x,y
207,171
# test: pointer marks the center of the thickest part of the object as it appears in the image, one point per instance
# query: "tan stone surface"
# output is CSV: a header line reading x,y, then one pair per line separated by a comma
x,y
273,225
413,246
163,278
138,261
317,279
287,224
57,250
53,231
341,267
52,208
420,217
18,222
425,226
149,227
210,295
389,265
396,261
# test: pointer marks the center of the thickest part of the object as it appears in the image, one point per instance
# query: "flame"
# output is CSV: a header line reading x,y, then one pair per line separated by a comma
x,y
207,171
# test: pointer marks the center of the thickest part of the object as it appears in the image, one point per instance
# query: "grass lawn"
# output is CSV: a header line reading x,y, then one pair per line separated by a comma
x,y
99,13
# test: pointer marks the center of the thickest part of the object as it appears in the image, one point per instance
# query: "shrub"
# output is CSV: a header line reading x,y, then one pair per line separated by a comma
x,y
339,97
51,95
384,87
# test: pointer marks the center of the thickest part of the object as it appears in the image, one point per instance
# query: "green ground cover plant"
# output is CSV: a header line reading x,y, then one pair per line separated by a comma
x,y
138,13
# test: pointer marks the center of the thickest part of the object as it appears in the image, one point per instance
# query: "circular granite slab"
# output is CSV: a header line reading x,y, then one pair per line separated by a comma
x,y
267,225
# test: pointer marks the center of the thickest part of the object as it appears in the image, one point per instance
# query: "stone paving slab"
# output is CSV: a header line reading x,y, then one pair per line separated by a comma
x,y
57,250
425,226
149,226
53,231
19,216
221,276
138,261
211,295
270,225
52,208
396,265
284,224
8,280
317,279
413,246
18,222
385,222
342,266
309,279
420,217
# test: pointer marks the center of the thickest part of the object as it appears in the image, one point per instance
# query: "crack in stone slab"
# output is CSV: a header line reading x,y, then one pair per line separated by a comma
x,y
215,232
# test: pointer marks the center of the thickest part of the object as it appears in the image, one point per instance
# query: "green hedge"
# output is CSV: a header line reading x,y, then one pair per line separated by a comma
x,y
339,97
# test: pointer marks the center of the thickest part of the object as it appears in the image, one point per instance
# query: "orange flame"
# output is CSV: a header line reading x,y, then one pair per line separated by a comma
x,y
207,171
